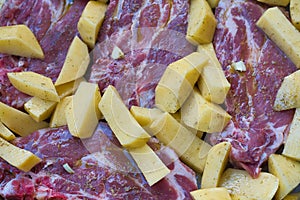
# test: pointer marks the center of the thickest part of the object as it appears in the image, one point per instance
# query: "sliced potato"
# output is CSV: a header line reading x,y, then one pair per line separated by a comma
x,y
212,83
213,3
281,31
76,63
276,2
178,81
149,163
292,196
5,133
128,131
19,122
211,194
203,115
287,96
145,116
69,88
90,22
291,147
39,109
242,186
295,13
84,115
287,171
59,118
20,41
201,23
34,84
191,149
19,158
216,162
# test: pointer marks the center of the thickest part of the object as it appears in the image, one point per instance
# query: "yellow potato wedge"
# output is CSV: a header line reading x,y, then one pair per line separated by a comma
x,y
149,163
5,133
191,149
219,193
34,84
69,88
216,162
281,31
145,116
292,196
287,171
291,147
178,81
76,62
213,3
275,2
212,82
90,22
128,131
19,122
84,115
19,158
295,13
39,109
203,115
201,23
20,41
58,117
242,186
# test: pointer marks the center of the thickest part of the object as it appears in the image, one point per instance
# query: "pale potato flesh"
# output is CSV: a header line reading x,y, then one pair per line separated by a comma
x,y
295,13
5,133
219,193
58,117
39,109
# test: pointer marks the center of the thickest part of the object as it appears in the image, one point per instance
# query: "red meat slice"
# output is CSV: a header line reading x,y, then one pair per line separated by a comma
x,y
256,130
102,170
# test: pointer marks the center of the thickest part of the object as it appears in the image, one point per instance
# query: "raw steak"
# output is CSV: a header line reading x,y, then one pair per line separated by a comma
x,y
151,34
102,170
256,130
54,26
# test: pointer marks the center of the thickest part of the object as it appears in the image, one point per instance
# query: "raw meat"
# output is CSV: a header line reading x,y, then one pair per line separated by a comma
x,y
256,130
102,170
151,34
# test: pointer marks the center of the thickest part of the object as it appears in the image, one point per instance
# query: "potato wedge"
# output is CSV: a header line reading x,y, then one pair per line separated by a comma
x,y
213,3
178,81
203,115
34,84
287,171
58,117
5,133
295,13
191,149
242,186
291,147
145,116
201,23
292,196
19,158
219,193
281,31
275,2
128,131
84,115
76,63
19,122
216,162
287,96
149,163
39,109
212,82
69,88
90,22
20,41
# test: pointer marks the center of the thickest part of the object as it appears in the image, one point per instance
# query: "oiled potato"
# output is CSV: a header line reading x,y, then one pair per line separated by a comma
x,y
69,88
5,133
281,31
287,171
39,109
293,196
20,158
128,131
145,116
276,2
211,194
149,163
59,118
295,13
90,22
76,62
242,186
178,81
34,84
20,41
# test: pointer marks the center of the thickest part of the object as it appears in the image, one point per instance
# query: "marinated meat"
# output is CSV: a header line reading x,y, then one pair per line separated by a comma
x,y
102,170
256,130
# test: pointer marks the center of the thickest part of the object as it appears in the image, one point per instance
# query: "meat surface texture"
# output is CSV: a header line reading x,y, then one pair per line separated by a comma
x,y
151,34
102,170
256,130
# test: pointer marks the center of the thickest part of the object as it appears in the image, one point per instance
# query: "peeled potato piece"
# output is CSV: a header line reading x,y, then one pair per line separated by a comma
x,y
39,109
295,13
211,194
20,41
58,117
5,133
